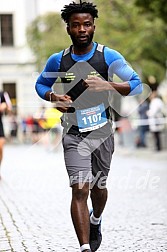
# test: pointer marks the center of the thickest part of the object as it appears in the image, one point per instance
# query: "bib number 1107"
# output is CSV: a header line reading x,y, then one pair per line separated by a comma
x,y
92,119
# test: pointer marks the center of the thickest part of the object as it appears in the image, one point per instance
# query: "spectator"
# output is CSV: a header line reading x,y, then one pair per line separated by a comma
x,y
13,128
144,127
5,106
155,114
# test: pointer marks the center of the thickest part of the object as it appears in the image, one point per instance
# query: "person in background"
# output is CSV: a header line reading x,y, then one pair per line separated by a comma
x,y
156,114
5,107
144,127
53,127
39,124
13,128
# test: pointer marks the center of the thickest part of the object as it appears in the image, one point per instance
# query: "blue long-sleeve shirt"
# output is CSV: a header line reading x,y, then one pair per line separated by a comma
x,y
116,65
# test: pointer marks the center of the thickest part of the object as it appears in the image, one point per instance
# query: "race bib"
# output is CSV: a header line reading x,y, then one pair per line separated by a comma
x,y
91,118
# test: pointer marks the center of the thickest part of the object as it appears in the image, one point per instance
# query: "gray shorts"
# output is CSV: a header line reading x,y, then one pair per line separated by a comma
x,y
88,160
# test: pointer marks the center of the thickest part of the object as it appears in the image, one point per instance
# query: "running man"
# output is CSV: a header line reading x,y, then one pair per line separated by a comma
x,y
86,69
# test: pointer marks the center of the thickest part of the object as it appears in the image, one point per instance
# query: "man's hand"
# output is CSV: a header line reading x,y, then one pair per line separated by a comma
x,y
62,102
97,84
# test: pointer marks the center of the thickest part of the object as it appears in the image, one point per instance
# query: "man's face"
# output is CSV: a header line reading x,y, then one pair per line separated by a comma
x,y
81,29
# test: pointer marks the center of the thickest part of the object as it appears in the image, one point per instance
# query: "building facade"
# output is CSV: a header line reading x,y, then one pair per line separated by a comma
x,y
17,62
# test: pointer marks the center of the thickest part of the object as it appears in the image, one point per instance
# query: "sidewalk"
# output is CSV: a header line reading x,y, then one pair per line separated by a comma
x,y
35,202
142,153
128,148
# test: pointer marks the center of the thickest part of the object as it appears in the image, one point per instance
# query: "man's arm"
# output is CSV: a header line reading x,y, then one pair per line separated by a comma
x,y
118,66
48,76
61,102
46,80
97,84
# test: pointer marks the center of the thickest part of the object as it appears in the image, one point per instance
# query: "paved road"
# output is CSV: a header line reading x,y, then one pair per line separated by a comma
x,y
35,199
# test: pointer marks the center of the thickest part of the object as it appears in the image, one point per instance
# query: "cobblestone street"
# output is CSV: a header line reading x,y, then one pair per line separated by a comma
x,y
35,202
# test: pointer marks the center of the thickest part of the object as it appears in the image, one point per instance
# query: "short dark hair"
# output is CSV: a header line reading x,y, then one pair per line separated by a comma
x,y
83,7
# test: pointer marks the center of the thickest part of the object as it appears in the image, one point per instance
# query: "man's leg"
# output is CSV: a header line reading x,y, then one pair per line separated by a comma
x,y
101,160
78,164
80,213
99,199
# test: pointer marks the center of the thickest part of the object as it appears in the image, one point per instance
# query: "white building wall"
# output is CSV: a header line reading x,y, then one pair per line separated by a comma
x,y
17,63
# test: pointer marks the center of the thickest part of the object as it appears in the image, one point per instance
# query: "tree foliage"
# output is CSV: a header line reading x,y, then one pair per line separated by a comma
x,y
140,39
47,35
121,26
157,8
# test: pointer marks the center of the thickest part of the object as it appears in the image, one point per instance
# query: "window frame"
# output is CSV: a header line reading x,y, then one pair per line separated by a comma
x,y
8,30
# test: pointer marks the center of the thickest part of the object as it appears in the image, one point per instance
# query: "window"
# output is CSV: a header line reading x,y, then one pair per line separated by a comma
x,y
6,30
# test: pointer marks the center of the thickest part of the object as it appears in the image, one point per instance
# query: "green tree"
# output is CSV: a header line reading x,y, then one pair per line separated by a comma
x,y
140,39
157,8
156,12
46,35
121,26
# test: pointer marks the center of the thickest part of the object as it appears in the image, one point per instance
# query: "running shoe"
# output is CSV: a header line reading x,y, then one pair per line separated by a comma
x,y
95,236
